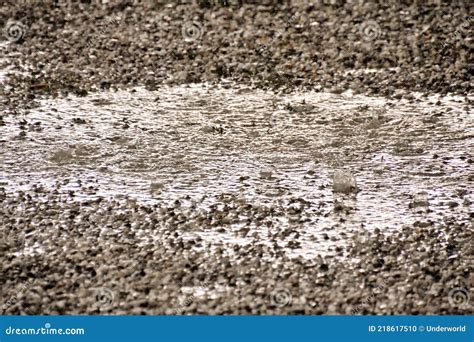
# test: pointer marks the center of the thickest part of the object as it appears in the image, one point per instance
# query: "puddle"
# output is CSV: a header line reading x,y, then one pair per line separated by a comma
x,y
275,151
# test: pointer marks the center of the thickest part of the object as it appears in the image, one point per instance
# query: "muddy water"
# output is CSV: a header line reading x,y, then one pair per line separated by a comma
x,y
202,144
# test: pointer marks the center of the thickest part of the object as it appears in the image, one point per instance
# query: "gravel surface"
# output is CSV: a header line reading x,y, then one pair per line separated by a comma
x,y
82,256
91,264
69,46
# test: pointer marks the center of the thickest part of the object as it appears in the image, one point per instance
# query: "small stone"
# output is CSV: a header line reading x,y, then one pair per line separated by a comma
x,y
344,182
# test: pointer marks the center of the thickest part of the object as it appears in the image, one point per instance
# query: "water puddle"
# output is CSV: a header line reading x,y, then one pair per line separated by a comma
x,y
216,147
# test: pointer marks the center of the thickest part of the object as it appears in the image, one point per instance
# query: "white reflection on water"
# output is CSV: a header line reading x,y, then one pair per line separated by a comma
x,y
269,149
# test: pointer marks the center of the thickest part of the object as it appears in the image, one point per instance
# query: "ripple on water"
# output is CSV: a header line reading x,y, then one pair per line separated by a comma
x,y
268,148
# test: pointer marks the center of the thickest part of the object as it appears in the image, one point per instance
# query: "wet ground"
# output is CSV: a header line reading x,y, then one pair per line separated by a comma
x,y
226,167
411,159
145,193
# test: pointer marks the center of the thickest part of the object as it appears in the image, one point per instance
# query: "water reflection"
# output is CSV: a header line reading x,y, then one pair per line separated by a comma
x,y
277,151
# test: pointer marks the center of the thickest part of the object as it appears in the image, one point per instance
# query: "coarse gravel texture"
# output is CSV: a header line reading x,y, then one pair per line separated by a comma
x,y
82,256
70,46
91,264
